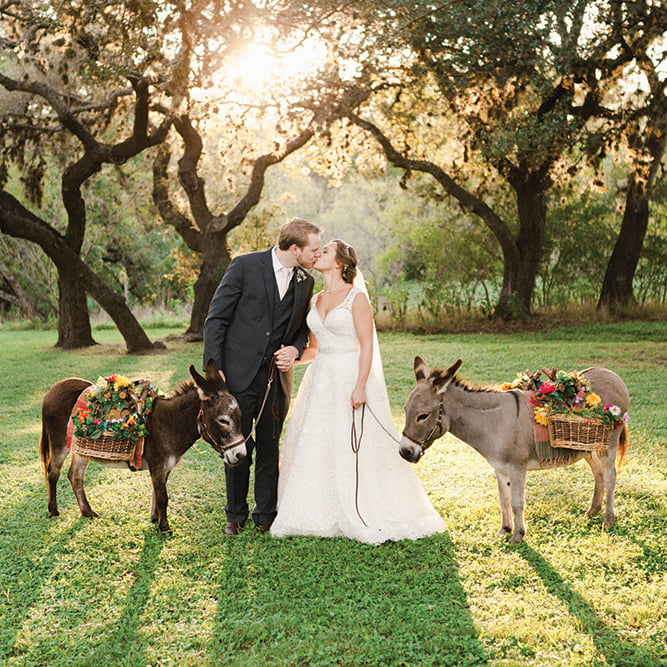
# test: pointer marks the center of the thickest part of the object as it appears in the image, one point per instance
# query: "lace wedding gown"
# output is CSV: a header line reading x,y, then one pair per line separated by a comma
x,y
317,488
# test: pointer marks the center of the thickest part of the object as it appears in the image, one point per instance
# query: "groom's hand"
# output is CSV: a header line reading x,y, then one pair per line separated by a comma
x,y
285,357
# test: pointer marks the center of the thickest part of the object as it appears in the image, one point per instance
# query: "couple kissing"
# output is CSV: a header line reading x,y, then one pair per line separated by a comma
x,y
264,315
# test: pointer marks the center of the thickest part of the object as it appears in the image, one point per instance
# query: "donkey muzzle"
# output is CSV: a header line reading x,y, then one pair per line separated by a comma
x,y
410,451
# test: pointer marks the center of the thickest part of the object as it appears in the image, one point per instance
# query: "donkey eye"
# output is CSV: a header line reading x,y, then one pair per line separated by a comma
x,y
423,417
223,421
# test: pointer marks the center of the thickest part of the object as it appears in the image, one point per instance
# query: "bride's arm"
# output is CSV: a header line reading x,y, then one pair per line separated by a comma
x,y
310,352
363,324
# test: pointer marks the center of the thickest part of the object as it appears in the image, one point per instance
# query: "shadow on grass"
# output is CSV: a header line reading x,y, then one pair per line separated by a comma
x,y
32,549
309,600
615,650
29,549
121,643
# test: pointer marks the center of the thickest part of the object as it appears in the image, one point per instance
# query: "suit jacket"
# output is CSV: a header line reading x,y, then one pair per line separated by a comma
x,y
240,319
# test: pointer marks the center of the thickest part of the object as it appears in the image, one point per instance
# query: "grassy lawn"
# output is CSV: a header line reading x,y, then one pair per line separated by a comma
x,y
112,591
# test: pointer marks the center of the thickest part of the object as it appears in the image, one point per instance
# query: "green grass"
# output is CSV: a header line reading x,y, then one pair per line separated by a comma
x,y
112,591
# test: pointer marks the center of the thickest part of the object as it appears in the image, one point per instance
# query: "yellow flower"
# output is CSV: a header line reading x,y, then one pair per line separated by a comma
x,y
593,399
541,416
120,382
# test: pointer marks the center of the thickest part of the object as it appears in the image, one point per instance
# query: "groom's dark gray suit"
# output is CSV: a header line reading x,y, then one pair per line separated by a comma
x,y
247,322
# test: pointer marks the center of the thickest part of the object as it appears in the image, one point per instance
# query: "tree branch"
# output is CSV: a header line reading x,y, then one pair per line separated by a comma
x,y
467,200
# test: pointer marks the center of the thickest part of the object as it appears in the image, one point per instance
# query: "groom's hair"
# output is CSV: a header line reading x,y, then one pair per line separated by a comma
x,y
295,231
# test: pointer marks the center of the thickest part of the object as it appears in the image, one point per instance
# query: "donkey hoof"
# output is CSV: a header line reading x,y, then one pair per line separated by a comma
x,y
90,514
504,531
517,536
53,514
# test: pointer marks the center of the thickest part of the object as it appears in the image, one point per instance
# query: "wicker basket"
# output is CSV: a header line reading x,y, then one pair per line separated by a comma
x,y
589,435
107,446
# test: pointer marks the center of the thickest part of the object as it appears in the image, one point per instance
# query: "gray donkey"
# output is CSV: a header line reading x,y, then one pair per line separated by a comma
x,y
499,425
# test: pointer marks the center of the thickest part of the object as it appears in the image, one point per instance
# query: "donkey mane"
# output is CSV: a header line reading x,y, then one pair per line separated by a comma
x,y
464,384
184,388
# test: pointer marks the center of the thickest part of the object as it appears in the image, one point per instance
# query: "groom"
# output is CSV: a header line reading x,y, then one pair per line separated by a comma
x,y
258,313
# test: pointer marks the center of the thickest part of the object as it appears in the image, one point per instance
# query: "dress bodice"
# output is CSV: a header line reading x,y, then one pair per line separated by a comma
x,y
336,332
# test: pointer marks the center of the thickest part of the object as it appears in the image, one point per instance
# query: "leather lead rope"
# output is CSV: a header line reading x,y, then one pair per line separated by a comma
x,y
269,384
381,425
355,441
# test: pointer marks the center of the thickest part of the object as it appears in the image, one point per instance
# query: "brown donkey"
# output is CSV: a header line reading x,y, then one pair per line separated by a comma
x,y
499,425
201,407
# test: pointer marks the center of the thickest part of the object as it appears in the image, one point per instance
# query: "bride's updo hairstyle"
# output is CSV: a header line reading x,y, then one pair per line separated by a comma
x,y
346,256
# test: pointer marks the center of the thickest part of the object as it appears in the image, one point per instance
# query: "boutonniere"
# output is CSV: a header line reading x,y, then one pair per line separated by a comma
x,y
299,274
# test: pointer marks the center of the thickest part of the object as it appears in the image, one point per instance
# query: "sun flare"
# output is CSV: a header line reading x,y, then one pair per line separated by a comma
x,y
258,67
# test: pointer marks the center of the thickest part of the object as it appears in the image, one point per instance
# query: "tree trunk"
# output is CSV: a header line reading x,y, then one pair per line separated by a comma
x,y
215,261
74,329
617,284
520,270
18,222
617,289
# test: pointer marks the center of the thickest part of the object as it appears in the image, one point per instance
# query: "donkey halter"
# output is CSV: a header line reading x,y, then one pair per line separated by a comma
x,y
426,442
203,432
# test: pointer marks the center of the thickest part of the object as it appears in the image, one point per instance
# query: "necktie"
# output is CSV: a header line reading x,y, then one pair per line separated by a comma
x,y
285,275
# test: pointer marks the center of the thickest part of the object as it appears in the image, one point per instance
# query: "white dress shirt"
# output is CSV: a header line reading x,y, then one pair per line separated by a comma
x,y
283,274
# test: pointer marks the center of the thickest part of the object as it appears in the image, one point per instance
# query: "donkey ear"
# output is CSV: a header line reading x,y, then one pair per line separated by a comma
x,y
196,376
200,381
217,377
421,369
442,380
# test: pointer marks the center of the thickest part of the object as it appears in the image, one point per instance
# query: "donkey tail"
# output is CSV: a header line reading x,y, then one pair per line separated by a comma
x,y
44,448
56,409
622,449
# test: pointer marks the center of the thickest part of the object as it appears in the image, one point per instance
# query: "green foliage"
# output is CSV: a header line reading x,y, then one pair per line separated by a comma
x,y
579,240
111,590
127,244
651,277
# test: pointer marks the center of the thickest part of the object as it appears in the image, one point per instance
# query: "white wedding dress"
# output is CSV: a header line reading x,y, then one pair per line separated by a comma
x,y
323,489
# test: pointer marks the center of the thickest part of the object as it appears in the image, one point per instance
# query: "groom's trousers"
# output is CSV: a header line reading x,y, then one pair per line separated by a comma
x,y
263,448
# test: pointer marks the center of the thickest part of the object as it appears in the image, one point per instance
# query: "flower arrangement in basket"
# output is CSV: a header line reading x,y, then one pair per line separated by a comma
x,y
114,418
572,411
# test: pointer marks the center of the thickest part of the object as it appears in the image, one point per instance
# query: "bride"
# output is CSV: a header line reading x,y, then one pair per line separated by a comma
x,y
325,487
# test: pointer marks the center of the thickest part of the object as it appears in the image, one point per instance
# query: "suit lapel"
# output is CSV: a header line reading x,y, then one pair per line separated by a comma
x,y
269,279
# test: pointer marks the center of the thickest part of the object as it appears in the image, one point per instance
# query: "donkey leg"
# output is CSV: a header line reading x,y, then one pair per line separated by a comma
x,y
610,482
505,502
154,515
52,474
76,474
517,480
160,498
597,468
